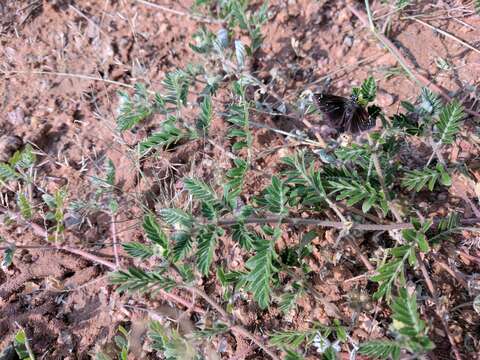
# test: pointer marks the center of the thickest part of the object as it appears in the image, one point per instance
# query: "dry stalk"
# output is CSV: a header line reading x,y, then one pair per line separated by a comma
x,y
404,62
180,13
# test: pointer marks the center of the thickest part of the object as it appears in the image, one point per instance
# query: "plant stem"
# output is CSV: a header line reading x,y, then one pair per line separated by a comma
x,y
363,258
433,292
454,273
244,332
378,169
468,256
235,328
181,13
435,149
78,76
316,222
386,42
369,14
31,356
228,319
113,230
300,138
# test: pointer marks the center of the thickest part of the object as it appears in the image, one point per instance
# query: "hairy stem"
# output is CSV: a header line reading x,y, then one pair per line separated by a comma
x,y
323,223
115,242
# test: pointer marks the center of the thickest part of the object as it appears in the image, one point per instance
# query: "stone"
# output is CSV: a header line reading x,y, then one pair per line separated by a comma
x,y
348,41
8,145
16,117
344,16
385,99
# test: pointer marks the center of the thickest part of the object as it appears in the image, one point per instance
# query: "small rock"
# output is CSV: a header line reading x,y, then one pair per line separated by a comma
x,y
344,16
72,219
466,146
386,60
348,41
16,117
294,8
8,145
339,52
385,99
307,45
92,30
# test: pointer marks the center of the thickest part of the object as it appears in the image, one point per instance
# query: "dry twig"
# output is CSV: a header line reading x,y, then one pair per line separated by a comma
x,y
113,230
406,64
180,13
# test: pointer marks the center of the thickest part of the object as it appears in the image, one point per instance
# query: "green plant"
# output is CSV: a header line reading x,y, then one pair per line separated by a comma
x,y
236,14
190,239
7,253
400,4
19,167
394,269
186,240
418,179
325,340
170,344
121,346
269,213
22,346
410,329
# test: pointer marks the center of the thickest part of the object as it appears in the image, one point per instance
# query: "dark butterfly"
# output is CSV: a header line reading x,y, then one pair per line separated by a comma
x,y
345,114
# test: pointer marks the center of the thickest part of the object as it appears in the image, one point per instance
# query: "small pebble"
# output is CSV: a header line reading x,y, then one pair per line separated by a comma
x,y
8,145
344,16
348,41
16,117
384,99
72,220
339,52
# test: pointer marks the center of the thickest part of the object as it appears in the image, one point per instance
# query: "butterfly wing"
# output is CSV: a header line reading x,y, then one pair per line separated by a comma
x,y
332,106
343,113
359,120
